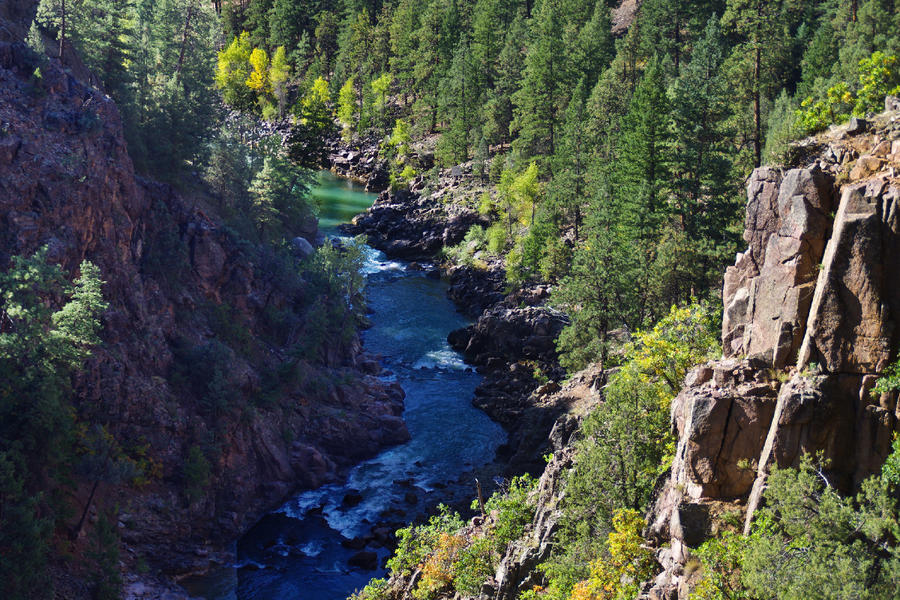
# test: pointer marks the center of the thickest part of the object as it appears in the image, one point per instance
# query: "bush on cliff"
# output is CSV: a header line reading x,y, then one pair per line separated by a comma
x,y
40,350
626,443
879,76
808,541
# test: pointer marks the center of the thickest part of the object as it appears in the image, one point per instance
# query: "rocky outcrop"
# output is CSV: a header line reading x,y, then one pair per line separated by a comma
x,y
503,335
809,323
768,292
517,571
359,160
475,290
515,349
404,224
853,319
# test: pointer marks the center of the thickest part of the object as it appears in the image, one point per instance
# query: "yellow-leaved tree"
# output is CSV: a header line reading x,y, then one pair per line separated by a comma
x,y
233,71
279,74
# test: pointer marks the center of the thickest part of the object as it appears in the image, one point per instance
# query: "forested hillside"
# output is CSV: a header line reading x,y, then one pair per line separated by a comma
x,y
603,155
616,162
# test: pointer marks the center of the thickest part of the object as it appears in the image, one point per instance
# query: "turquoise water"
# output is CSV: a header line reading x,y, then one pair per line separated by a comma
x,y
295,552
339,200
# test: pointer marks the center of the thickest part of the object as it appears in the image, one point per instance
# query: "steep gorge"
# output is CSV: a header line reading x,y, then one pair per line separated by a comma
x,y
809,325
178,283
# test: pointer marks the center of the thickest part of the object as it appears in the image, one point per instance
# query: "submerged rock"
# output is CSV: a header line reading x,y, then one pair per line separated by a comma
x,y
365,560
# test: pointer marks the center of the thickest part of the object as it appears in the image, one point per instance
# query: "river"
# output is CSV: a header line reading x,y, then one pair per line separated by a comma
x,y
295,553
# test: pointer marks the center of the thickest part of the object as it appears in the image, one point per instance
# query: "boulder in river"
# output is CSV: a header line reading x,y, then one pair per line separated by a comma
x,y
366,560
301,247
351,498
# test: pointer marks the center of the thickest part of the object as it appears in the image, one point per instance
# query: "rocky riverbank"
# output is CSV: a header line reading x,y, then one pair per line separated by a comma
x,y
807,330
512,342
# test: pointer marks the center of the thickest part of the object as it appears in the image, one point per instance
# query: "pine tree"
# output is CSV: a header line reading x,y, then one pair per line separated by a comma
x,y
599,295
404,42
701,161
39,352
757,61
354,58
594,47
459,100
537,102
498,109
487,39
326,42
257,21
570,164
436,38
642,173
287,22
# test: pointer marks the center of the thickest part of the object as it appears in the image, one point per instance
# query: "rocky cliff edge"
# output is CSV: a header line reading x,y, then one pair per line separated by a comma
x,y
810,321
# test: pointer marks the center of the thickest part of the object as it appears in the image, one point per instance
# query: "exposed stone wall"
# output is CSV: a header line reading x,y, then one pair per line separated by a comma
x,y
809,323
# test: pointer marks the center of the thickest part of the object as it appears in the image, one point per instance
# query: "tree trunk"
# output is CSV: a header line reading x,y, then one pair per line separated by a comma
x,y
62,29
184,37
757,119
77,530
677,40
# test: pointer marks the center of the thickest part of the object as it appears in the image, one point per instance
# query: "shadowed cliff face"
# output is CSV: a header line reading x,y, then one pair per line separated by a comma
x,y
67,182
15,19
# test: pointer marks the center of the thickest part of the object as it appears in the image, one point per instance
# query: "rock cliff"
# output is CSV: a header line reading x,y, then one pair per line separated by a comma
x,y
177,283
810,321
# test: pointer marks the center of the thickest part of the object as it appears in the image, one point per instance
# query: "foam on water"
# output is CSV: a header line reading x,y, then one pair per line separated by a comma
x,y
445,358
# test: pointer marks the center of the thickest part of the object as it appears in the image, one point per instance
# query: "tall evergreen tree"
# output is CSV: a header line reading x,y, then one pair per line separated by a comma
x,y
39,352
568,191
459,100
498,109
758,59
404,42
594,47
701,166
600,294
641,173
538,100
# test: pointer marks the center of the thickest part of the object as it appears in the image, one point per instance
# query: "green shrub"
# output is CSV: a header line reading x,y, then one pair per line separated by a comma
x,y
514,511
475,564
879,76
626,442
416,542
196,472
376,589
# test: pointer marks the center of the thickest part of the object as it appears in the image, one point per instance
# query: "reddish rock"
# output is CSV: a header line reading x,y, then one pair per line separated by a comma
x,y
853,319
768,292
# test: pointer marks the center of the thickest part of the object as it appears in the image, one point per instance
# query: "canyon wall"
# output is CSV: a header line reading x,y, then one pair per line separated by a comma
x,y
810,322
67,183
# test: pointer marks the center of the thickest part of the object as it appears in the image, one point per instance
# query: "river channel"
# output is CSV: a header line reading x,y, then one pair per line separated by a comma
x,y
295,553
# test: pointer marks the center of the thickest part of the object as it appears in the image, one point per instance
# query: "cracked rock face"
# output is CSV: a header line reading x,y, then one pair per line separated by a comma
x,y
809,324
768,291
852,321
